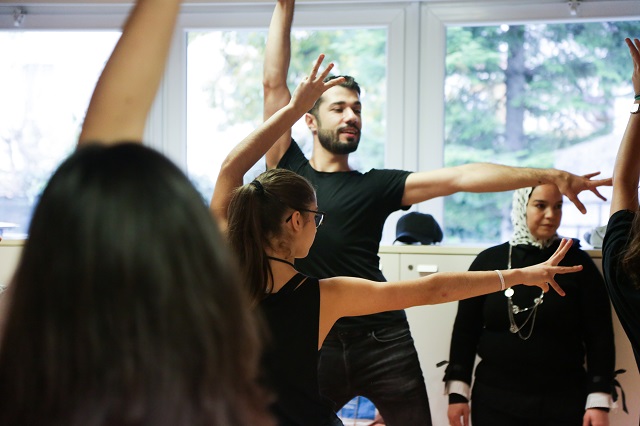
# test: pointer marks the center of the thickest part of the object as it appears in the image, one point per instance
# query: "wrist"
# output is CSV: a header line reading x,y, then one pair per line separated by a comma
x,y
294,108
599,400
511,277
553,176
502,282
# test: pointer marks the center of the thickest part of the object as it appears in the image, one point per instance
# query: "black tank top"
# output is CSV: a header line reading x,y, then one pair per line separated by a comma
x,y
291,358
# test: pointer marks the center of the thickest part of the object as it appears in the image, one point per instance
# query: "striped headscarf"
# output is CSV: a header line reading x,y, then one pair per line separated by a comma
x,y
521,233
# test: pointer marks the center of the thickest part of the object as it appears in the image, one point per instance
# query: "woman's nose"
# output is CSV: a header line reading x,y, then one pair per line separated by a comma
x,y
551,213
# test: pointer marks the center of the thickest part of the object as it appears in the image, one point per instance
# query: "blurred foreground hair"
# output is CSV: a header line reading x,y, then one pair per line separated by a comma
x,y
126,308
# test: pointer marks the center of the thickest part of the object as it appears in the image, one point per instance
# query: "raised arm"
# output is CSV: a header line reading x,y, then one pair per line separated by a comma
x,y
626,171
277,57
127,86
488,177
254,146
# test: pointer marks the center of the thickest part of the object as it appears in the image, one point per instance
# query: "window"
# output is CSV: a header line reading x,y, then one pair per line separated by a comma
x,y
537,95
46,80
54,63
396,50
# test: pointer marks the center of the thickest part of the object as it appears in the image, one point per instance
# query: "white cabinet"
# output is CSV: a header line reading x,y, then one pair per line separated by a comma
x,y
430,325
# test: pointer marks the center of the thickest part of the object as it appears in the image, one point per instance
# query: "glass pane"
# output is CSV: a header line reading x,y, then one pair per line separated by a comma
x,y
46,80
534,95
224,91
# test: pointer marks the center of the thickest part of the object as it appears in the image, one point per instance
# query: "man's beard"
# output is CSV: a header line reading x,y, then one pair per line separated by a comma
x,y
330,140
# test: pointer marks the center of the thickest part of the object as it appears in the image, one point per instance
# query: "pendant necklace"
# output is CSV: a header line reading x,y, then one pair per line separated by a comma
x,y
515,309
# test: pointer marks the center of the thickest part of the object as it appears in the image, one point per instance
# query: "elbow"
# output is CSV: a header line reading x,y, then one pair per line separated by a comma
x,y
273,82
267,82
227,168
436,294
621,179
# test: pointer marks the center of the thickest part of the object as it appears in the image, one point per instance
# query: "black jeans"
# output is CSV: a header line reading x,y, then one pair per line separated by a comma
x,y
381,365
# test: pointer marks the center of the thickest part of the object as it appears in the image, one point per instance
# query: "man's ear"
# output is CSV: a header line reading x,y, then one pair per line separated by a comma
x,y
311,121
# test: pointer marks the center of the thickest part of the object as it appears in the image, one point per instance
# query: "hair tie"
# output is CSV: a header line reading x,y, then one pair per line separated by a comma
x,y
258,186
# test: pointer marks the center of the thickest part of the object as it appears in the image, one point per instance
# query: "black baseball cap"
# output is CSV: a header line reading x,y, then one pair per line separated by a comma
x,y
415,227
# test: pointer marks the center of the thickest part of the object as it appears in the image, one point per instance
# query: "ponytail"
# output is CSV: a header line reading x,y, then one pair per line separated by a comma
x,y
257,214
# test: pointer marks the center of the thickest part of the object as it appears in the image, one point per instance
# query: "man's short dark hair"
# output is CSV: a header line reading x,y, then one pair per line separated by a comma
x,y
349,83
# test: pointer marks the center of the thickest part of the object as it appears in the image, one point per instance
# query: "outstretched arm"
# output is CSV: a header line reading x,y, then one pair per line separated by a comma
x,y
277,57
127,86
342,296
254,146
488,177
626,171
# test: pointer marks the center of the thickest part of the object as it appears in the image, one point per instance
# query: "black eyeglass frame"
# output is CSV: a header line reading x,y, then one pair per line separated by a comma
x,y
317,214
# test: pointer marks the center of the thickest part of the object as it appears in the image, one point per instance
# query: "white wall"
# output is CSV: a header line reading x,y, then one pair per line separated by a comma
x,y
431,327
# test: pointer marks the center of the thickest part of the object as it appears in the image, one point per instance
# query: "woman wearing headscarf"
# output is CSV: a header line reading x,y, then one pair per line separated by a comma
x,y
533,345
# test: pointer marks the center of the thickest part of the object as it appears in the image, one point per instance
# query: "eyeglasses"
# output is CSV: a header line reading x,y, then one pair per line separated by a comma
x,y
318,216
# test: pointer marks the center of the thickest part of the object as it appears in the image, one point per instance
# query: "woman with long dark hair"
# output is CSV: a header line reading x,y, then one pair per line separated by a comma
x,y
126,308
621,245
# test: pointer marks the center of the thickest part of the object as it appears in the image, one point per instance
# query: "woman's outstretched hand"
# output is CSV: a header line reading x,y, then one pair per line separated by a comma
x,y
542,274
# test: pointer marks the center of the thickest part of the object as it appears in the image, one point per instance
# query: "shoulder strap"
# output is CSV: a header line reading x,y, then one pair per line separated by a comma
x,y
293,284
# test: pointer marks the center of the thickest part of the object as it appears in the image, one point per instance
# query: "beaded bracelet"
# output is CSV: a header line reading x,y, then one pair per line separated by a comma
x,y
637,97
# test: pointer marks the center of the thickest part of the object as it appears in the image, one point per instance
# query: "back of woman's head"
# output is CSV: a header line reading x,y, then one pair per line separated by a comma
x,y
257,214
125,307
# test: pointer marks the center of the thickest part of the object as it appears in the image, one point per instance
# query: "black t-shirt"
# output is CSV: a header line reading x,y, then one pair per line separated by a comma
x,y
565,329
357,206
625,296
291,359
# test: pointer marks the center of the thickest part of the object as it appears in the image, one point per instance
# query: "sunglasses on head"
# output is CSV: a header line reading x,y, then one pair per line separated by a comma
x,y
318,216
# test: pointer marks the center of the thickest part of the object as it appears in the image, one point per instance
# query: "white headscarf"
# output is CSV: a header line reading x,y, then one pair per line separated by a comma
x,y
521,232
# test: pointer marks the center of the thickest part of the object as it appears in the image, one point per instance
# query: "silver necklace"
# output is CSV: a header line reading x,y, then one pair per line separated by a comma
x,y
513,309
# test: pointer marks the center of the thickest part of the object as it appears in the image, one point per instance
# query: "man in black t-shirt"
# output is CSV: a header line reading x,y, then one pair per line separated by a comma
x,y
373,356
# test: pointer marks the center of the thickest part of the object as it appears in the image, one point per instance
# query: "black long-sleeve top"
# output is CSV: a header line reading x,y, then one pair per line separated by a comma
x,y
566,330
